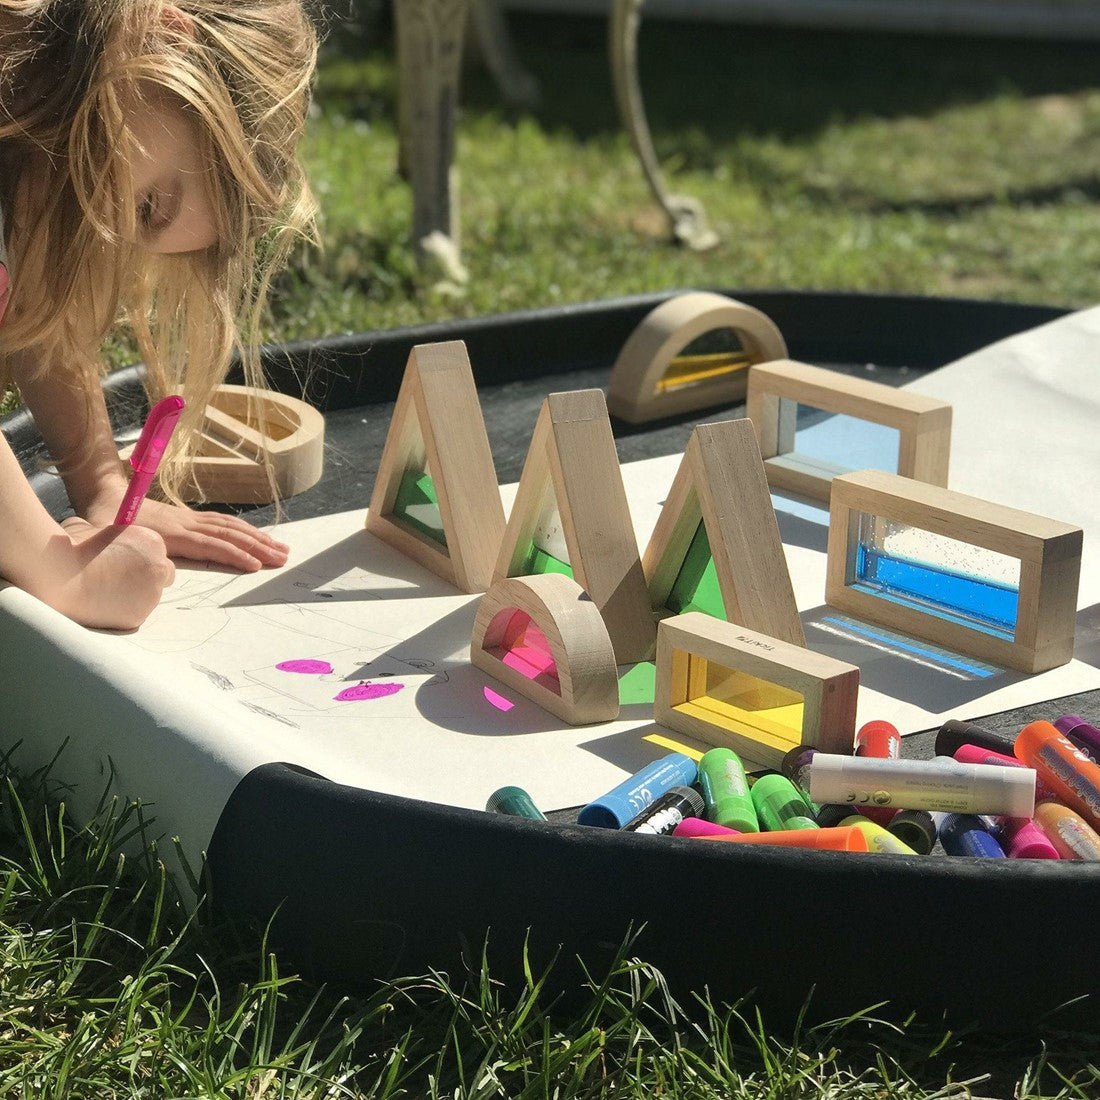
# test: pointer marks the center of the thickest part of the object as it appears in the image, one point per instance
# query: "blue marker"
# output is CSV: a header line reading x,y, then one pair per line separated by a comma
x,y
624,802
967,835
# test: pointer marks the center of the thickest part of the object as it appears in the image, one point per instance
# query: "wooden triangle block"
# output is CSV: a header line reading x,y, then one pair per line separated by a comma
x,y
718,527
571,499
436,457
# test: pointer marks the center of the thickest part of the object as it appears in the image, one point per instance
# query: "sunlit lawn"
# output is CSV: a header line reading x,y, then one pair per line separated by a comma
x,y
824,160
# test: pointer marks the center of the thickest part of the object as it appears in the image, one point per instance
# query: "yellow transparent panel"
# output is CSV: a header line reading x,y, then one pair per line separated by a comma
x,y
715,354
745,704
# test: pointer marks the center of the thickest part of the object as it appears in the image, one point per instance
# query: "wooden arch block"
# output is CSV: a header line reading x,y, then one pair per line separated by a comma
x,y
652,379
720,495
437,446
568,667
776,389
571,499
256,445
757,695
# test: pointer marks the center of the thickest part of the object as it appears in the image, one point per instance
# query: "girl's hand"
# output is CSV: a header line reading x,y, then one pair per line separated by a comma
x,y
202,536
115,577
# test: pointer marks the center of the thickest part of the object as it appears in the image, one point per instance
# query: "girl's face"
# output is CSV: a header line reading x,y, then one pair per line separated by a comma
x,y
174,212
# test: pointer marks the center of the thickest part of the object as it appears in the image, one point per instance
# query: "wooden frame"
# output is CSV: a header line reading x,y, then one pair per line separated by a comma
x,y
775,390
1048,552
256,445
572,462
438,428
635,392
688,644
721,484
584,687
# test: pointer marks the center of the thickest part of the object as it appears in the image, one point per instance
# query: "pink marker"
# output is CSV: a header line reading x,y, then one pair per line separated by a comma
x,y
975,754
1025,840
696,826
148,451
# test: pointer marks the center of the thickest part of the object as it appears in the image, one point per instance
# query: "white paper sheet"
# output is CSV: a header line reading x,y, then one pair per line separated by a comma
x,y
185,707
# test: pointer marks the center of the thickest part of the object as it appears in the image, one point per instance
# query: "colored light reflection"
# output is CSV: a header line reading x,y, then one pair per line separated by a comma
x,y
494,698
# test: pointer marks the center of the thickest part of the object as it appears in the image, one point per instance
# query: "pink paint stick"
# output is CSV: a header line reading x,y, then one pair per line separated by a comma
x,y
696,826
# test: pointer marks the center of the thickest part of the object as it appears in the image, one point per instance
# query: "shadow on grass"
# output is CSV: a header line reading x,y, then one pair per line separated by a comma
x,y
727,81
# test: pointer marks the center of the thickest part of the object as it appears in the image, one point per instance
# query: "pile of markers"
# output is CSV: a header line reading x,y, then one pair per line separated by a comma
x,y
1035,796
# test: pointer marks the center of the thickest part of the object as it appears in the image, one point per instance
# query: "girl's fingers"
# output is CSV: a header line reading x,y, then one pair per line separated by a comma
x,y
220,519
196,546
207,529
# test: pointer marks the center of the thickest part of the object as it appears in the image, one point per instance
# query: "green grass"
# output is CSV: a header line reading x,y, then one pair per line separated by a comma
x,y
111,987
825,161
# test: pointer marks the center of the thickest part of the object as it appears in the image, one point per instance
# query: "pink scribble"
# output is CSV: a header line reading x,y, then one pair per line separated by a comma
x,y
307,665
367,691
498,700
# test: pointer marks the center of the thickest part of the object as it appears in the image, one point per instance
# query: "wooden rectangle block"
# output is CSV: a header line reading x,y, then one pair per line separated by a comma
x,y
776,389
760,696
961,572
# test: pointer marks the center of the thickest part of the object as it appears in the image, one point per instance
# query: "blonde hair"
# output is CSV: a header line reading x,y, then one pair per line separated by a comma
x,y
71,72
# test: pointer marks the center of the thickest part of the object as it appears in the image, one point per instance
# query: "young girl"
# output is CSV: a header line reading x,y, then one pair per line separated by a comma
x,y
147,171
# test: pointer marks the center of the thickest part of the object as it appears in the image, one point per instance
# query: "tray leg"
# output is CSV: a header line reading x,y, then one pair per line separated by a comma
x,y
687,218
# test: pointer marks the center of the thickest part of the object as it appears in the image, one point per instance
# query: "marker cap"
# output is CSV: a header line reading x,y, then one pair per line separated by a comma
x,y
878,738
725,790
952,734
795,765
1027,841
915,828
1083,734
832,814
878,839
779,804
666,812
965,835
514,802
615,808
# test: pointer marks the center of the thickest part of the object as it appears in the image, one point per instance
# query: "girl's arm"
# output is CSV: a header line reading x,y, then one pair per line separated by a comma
x,y
75,423
107,578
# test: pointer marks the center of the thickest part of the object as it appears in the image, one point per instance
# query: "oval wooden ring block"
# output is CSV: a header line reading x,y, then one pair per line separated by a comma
x,y
634,393
587,686
244,430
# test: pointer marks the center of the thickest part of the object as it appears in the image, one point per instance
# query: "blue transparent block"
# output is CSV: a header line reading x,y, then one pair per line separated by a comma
x,y
941,576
